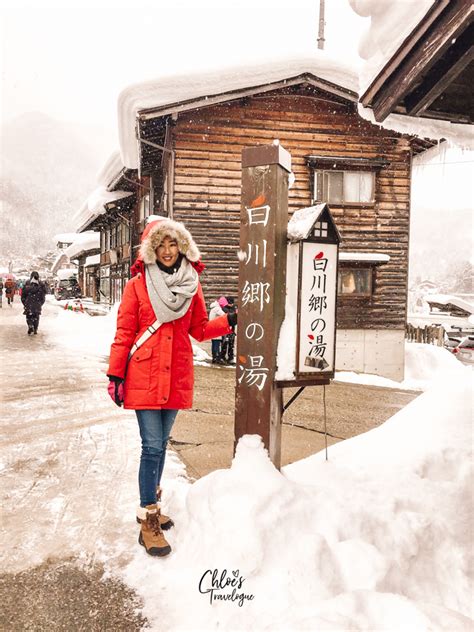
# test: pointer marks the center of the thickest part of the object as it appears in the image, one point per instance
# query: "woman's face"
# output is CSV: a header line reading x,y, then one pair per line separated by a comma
x,y
167,252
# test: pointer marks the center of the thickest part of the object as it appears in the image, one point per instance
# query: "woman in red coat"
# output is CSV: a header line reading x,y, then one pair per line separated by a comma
x,y
151,370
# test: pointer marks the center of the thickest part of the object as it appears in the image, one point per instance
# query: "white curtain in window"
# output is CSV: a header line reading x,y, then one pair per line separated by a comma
x,y
351,186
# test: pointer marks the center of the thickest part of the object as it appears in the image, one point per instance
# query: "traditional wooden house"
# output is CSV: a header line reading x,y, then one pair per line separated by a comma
x,y
110,210
186,134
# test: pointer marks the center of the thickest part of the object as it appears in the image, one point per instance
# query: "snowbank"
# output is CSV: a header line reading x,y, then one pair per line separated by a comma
x,y
378,538
424,365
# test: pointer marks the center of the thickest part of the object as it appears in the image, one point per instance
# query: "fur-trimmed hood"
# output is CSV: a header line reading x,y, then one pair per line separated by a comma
x,y
156,231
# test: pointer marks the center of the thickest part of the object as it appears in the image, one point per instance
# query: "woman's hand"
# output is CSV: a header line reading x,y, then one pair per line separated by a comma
x,y
115,389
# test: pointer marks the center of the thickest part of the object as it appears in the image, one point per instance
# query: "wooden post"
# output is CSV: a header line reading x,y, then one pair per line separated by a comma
x,y
262,290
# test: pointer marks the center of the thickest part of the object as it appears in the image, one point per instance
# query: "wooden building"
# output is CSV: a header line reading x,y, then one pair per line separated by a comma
x,y
190,149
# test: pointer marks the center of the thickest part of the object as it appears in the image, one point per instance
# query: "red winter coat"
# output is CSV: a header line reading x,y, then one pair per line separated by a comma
x,y
160,373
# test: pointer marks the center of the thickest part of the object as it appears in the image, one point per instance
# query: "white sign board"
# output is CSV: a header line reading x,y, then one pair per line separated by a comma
x,y
317,295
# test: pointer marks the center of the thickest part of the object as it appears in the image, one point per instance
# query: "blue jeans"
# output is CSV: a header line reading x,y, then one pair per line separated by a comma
x,y
155,427
216,347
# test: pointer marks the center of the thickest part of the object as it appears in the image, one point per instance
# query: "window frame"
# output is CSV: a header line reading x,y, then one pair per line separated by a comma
x,y
356,268
319,195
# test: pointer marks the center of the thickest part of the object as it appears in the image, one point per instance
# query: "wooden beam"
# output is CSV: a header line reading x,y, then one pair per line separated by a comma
x,y
403,51
456,18
442,74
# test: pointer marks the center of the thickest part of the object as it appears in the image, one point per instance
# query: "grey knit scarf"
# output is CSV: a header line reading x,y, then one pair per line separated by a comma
x,y
171,294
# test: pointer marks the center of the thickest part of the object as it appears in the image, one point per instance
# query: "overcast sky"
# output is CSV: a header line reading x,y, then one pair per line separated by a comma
x,y
72,62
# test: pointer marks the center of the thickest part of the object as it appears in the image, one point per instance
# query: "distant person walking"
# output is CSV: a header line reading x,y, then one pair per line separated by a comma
x,y
1,291
33,297
10,290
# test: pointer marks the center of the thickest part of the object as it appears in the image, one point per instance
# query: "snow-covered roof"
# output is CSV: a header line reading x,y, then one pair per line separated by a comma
x,y
390,25
84,242
169,91
449,300
302,221
66,273
66,238
111,170
457,134
374,257
93,260
95,205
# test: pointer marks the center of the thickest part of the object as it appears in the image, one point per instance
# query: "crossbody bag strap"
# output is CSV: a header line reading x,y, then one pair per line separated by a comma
x,y
148,333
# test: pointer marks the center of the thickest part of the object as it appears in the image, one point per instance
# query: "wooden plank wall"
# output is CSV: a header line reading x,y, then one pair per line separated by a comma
x,y
208,145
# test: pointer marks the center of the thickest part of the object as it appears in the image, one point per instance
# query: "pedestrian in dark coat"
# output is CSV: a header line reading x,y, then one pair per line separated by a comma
x,y
151,358
1,291
33,297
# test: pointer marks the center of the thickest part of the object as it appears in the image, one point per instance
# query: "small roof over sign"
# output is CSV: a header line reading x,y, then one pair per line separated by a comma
x,y
303,220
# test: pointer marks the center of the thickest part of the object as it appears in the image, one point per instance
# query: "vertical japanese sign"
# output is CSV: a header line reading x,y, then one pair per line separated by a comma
x,y
264,219
317,307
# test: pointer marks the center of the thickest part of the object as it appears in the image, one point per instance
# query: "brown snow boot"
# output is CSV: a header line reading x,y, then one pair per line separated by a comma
x,y
151,536
165,521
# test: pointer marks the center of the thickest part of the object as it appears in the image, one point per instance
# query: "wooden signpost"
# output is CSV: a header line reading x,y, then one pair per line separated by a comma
x,y
262,270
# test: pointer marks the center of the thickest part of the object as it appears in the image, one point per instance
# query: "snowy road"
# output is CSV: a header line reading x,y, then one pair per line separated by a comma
x,y
68,456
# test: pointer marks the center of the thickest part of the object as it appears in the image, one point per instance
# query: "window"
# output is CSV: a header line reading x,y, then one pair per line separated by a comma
x,y
344,187
355,282
320,229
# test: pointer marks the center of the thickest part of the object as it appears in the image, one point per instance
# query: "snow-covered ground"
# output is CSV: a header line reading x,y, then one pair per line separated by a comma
x,y
379,537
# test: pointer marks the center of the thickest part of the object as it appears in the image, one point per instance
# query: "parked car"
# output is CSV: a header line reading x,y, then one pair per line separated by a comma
x,y
464,351
67,288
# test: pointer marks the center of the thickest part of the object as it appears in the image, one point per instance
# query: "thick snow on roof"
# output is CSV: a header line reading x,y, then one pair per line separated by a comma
x,y
93,260
95,205
171,90
83,243
66,238
66,273
448,299
111,170
390,24
456,134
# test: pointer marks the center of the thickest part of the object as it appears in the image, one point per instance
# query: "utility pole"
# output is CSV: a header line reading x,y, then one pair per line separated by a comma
x,y
321,39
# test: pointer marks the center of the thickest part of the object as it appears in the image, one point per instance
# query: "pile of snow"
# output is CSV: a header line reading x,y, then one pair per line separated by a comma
x,y
170,90
424,365
377,538
81,332
111,170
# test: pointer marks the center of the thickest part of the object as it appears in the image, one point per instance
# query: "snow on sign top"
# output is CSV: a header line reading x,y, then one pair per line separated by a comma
x,y
172,90
302,221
